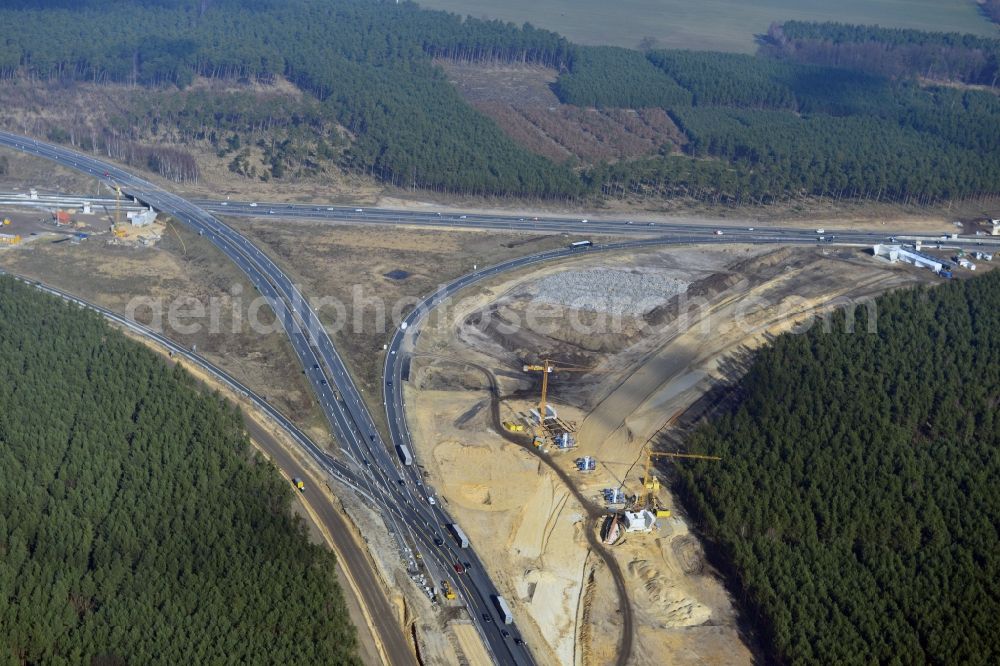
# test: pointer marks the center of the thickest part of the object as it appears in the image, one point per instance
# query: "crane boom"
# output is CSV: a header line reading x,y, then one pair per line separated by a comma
x,y
652,484
546,369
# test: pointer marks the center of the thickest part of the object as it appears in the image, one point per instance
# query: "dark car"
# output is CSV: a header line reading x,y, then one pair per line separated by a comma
x,y
518,641
487,618
505,633
438,541
459,569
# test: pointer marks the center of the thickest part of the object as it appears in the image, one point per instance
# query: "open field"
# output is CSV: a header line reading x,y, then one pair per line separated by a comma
x,y
677,322
714,25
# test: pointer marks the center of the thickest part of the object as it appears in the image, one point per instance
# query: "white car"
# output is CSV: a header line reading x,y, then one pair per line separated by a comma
x,y
749,228
463,217
718,232
359,210
253,205
821,231
584,221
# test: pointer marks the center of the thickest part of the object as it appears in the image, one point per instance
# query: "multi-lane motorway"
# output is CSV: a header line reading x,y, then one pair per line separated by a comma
x,y
701,231
375,471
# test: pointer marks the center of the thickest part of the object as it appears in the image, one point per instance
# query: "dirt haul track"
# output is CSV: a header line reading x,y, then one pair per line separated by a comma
x,y
658,329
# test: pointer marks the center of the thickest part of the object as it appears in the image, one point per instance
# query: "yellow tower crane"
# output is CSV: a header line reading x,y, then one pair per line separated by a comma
x,y
652,484
546,369
117,229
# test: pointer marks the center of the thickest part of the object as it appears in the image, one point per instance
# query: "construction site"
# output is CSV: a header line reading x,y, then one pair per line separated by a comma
x,y
114,219
547,407
548,410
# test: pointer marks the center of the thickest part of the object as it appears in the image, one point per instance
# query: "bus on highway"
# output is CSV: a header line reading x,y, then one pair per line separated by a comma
x,y
580,245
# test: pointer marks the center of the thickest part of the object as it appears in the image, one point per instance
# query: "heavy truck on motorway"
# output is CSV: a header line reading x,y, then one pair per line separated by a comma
x,y
404,454
463,540
503,609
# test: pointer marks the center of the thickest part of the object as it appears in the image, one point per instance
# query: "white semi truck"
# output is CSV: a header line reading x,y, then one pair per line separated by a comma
x,y
463,540
504,609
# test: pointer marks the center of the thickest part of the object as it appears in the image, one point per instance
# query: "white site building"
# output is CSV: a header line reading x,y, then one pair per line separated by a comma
x,y
896,253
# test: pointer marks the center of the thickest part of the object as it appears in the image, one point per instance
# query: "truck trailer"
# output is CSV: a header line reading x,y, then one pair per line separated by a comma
x,y
504,609
463,540
404,454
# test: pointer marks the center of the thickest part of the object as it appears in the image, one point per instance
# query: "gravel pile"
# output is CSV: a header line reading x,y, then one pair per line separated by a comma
x,y
607,290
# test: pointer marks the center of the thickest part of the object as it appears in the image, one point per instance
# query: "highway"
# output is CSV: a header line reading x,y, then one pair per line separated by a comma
x,y
414,523
724,232
574,226
376,472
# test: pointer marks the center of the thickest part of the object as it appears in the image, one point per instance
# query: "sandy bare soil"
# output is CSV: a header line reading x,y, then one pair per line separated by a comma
x,y
676,323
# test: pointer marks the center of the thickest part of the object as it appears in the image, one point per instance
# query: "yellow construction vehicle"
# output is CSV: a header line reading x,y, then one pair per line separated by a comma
x,y
117,229
547,368
652,484
513,427
446,590
6,221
